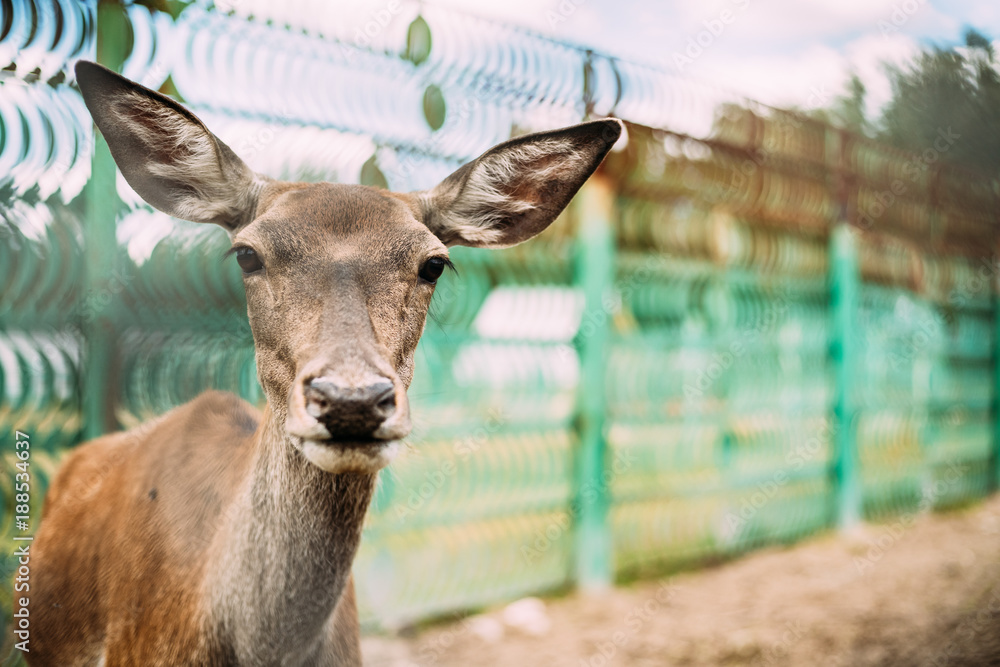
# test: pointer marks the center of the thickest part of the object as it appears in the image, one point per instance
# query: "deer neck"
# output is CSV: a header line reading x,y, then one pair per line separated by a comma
x,y
285,548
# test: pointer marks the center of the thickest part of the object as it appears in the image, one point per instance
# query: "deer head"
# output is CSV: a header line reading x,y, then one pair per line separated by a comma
x,y
338,278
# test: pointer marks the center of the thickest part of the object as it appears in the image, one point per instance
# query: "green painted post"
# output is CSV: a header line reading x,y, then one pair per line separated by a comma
x,y
98,320
995,486
844,281
594,273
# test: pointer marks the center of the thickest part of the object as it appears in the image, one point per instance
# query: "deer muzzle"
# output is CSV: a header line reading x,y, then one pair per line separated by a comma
x,y
350,416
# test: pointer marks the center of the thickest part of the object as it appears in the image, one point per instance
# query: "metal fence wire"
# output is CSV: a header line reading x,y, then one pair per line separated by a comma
x,y
749,327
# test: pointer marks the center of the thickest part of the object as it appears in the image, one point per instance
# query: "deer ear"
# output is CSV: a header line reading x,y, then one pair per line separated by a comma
x,y
166,154
516,189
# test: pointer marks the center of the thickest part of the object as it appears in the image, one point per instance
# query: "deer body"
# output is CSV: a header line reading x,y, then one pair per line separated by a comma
x,y
216,535
162,490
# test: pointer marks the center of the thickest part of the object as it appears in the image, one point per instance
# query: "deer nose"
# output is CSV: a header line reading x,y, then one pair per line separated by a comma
x,y
350,411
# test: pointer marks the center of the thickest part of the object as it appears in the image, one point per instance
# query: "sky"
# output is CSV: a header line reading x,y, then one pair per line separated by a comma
x,y
780,52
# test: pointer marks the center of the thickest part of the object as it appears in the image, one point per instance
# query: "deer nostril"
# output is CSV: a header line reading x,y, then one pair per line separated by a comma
x,y
384,397
388,401
319,394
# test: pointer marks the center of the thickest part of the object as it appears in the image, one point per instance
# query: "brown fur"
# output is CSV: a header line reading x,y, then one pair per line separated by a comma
x,y
215,535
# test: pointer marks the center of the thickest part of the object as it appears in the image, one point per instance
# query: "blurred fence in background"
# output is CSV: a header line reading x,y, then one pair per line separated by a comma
x,y
748,327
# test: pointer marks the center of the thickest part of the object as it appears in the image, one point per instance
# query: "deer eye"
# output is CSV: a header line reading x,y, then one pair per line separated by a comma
x,y
248,260
432,269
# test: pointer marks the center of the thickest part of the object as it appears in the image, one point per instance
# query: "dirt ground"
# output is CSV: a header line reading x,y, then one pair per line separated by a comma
x,y
924,591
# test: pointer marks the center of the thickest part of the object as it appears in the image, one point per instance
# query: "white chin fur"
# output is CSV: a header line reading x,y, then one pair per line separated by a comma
x,y
335,458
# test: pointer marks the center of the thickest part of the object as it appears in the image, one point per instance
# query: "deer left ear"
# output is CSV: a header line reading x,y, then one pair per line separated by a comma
x,y
166,154
516,189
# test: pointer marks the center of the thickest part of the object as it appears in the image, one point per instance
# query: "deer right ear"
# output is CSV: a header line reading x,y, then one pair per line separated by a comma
x,y
166,154
513,191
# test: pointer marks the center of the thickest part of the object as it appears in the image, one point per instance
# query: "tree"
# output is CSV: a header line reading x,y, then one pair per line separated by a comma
x,y
941,89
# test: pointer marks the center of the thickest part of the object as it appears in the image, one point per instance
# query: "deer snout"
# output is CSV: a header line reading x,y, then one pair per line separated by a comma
x,y
349,412
329,408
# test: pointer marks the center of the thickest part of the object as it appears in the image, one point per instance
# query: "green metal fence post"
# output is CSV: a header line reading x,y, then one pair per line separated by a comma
x,y
844,283
995,481
101,247
594,273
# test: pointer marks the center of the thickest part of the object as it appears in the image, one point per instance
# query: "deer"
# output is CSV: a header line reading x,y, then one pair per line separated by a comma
x,y
220,534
